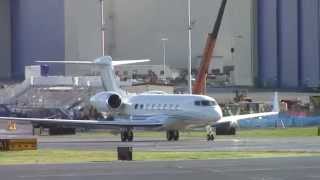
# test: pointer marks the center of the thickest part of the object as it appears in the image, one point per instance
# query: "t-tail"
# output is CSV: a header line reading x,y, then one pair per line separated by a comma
x,y
105,66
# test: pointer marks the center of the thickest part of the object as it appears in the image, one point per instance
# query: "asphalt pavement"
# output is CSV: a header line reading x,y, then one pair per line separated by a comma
x,y
242,169
307,144
221,143
252,169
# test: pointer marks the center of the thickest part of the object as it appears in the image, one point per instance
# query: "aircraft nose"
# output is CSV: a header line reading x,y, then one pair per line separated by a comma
x,y
218,113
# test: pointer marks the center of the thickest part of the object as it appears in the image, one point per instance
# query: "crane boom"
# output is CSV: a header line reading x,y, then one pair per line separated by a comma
x,y
199,86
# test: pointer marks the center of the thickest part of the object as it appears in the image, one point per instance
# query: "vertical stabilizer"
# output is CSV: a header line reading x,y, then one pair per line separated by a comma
x,y
105,66
108,77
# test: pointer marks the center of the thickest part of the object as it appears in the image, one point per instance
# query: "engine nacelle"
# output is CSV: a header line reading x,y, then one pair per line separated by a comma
x,y
106,101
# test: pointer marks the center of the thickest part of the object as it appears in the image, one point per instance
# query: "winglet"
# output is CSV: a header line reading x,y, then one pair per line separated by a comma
x,y
275,103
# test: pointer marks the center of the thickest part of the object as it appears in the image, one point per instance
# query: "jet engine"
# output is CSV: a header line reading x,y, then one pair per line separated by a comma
x,y
106,101
114,101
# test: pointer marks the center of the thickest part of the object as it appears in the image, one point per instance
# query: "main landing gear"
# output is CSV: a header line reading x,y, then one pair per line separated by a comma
x,y
127,135
173,135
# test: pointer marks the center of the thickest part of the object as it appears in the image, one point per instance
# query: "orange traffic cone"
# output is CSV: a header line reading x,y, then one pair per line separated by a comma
x,y
12,125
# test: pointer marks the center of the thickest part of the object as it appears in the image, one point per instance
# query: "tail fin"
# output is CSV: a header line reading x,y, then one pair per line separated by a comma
x,y
275,103
105,65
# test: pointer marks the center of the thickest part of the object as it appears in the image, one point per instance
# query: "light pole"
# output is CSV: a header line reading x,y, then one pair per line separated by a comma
x,y
234,52
189,47
102,27
164,56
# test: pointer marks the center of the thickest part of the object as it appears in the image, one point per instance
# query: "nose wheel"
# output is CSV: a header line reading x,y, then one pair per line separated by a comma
x,y
173,135
127,135
210,137
210,133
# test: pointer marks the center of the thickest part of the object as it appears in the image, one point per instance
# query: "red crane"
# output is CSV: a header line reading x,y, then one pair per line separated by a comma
x,y
199,86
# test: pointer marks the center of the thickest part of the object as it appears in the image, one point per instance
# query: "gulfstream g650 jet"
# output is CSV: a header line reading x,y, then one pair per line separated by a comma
x,y
158,111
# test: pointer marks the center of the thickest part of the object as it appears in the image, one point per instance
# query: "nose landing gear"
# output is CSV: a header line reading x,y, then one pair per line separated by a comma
x,y
210,133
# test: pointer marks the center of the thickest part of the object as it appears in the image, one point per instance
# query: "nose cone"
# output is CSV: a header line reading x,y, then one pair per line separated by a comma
x,y
218,113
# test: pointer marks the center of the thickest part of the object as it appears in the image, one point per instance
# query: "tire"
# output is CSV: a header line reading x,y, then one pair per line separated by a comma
x,y
124,136
169,135
130,136
212,137
176,135
233,131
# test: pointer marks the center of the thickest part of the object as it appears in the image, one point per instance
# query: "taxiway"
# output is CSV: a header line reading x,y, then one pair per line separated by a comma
x,y
306,144
254,169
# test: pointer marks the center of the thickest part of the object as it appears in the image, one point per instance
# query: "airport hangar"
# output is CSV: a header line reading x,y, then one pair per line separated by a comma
x,y
275,43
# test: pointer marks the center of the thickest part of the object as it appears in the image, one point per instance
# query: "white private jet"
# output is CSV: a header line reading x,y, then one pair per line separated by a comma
x,y
157,111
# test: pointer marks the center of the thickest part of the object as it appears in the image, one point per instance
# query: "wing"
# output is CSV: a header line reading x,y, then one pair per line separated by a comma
x,y
246,116
236,118
153,121
66,62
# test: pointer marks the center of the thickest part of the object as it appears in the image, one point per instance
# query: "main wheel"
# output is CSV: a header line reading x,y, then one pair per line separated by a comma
x,y
173,135
124,136
169,135
130,136
176,135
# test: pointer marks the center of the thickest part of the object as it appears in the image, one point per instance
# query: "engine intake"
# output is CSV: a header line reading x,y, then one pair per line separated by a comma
x,y
106,101
114,101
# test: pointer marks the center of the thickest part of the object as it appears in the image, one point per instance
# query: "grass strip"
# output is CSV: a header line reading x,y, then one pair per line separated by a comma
x,y
83,156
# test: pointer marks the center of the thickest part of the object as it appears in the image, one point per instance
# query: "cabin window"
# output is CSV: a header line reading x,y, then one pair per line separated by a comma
x,y
177,107
171,107
197,103
153,106
141,106
136,106
165,106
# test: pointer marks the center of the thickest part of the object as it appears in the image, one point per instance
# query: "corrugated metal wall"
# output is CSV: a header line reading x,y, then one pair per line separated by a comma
x,y
82,33
37,33
135,29
5,40
288,43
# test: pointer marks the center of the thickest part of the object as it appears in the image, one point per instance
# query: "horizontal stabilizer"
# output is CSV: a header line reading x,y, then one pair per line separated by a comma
x,y
104,60
66,62
123,62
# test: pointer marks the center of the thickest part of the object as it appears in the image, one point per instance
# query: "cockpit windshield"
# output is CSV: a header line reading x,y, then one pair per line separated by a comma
x,y
205,103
